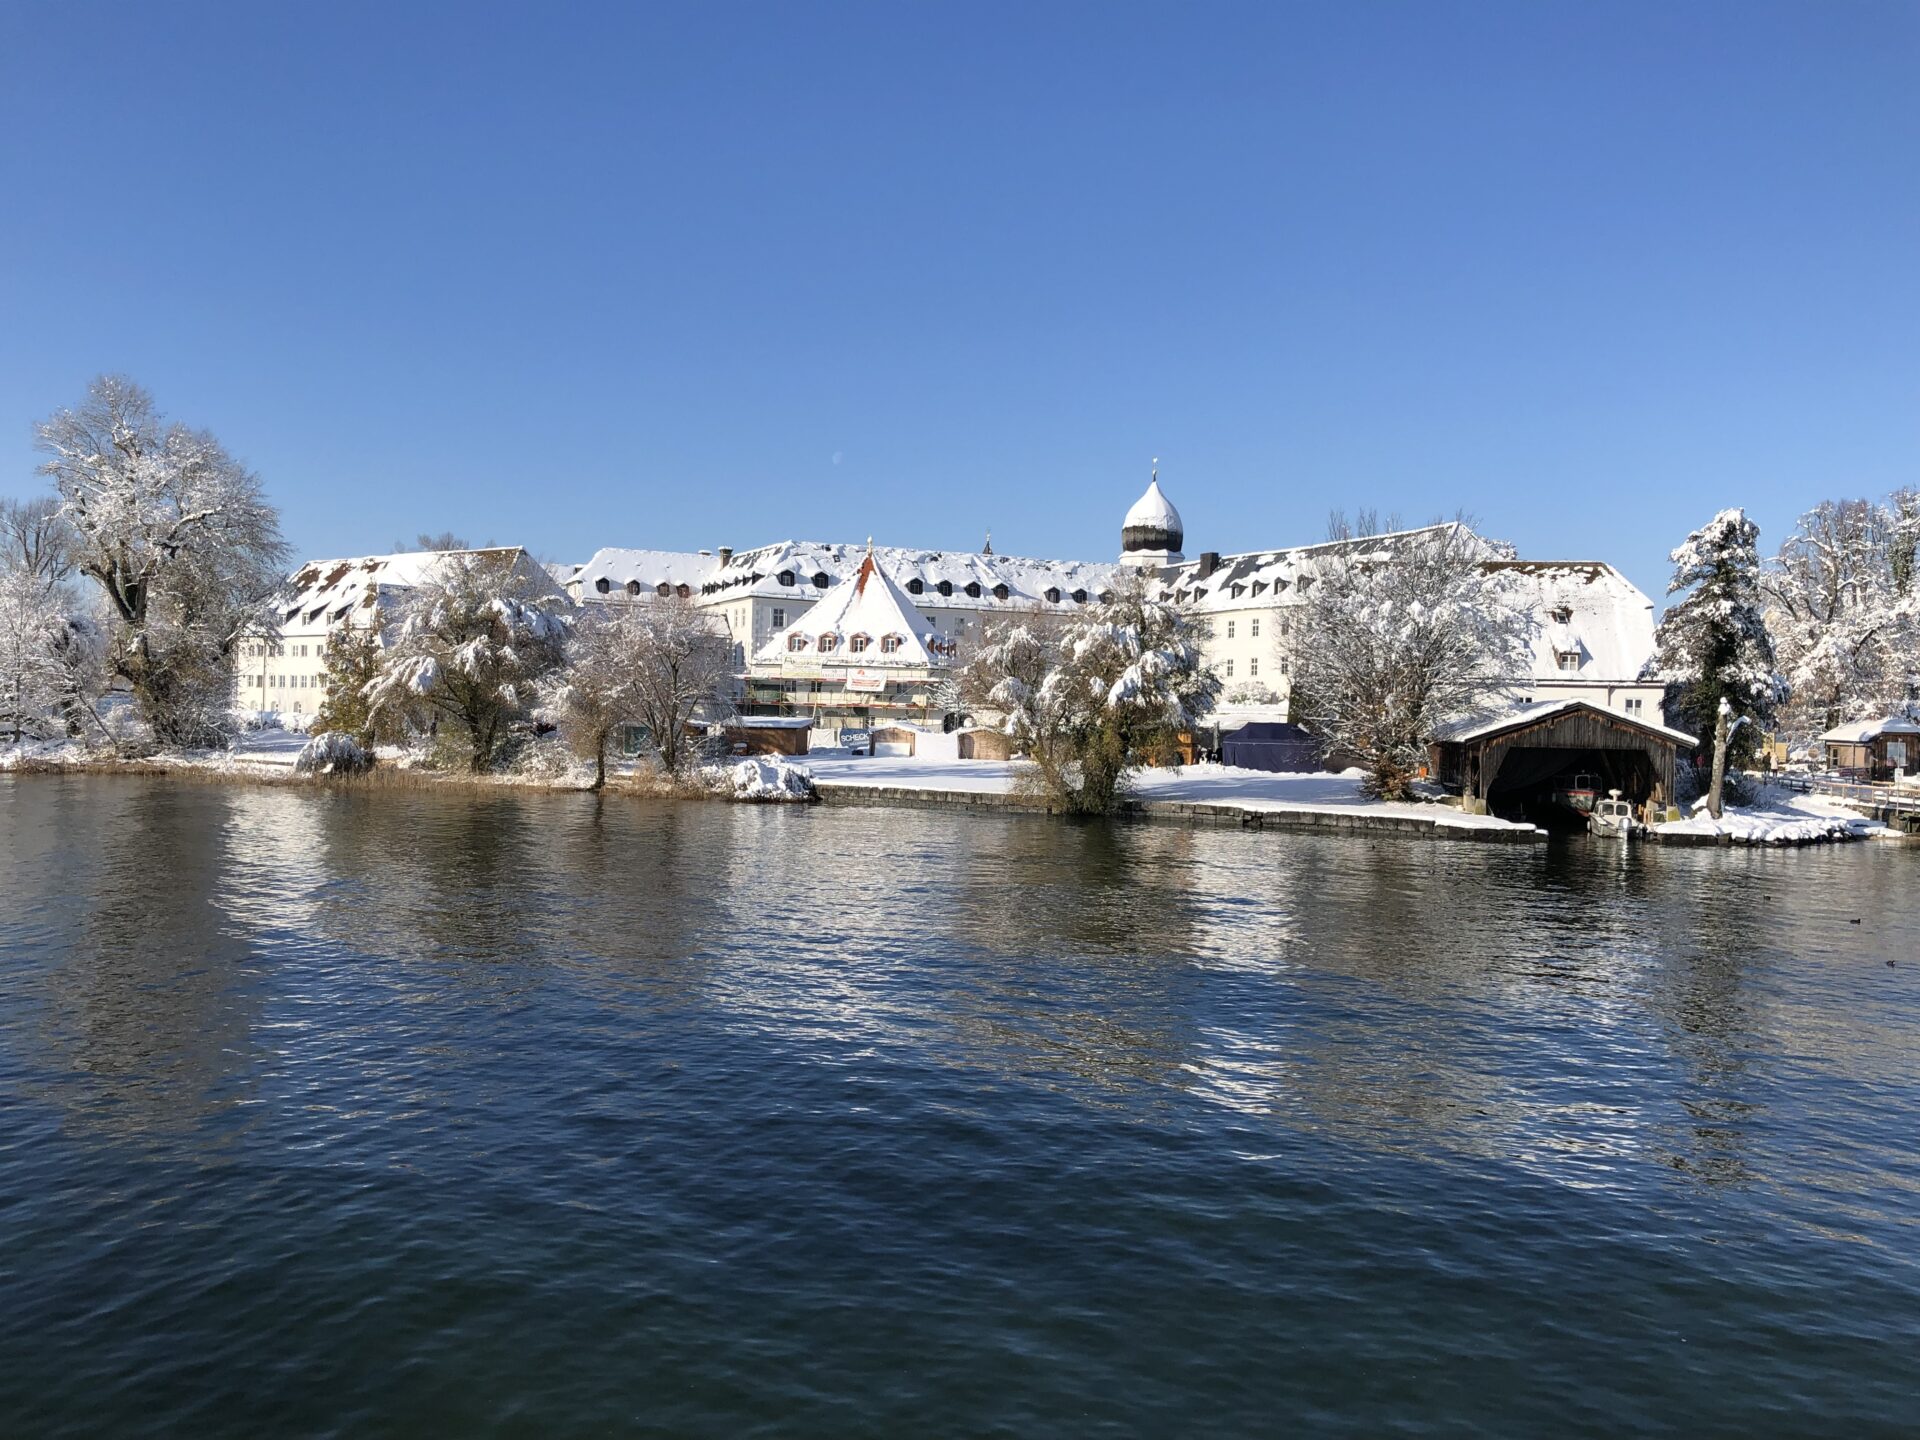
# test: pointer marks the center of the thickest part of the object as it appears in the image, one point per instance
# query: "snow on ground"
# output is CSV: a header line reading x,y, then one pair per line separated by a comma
x,y
1781,817
1261,790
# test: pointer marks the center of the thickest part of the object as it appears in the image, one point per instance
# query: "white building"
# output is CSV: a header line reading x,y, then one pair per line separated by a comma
x,y
286,672
1593,627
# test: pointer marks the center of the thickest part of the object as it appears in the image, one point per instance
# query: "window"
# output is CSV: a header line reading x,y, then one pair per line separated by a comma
x,y
796,642
1228,671
1229,629
1286,626
858,644
916,586
1001,592
820,581
1079,597
663,589
1053,595
973,589
683,591
890,643
1568,659
827,643
1253,669
945,587
779,618
1635,705
785,577
1253,628
1562,614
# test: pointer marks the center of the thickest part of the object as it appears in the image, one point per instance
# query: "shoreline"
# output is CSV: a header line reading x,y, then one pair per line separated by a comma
x,y
1225,812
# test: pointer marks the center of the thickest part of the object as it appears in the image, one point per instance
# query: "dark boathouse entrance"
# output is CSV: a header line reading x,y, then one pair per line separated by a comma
x,y
1515,765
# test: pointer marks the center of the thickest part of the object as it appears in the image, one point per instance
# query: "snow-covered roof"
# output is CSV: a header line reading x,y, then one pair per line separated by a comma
x,y
1608,620
1266,577
1861,731
635,572
933,579
1480,727
866,610
329,591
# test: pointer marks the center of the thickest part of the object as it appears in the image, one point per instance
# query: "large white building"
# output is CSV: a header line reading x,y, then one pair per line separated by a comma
x,y
286,672
1593,636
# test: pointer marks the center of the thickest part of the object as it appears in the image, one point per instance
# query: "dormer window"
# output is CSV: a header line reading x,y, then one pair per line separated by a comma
x,y
1001,592
663,589
1104,596
916,586
857,644
633,587
1053,595
785,577
820,581
796,642
1259,588
683,592
603,585
828,643
1236,591
1568,659
945,587
890,644
1079,597
973,589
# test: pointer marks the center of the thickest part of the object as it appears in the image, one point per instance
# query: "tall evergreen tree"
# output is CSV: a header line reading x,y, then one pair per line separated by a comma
x,y
1714,643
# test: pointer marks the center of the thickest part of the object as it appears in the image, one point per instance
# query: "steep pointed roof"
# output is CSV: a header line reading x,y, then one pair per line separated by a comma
x,y
865,603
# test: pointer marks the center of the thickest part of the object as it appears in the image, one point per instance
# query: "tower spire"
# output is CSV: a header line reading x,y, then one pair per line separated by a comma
x,y
987,549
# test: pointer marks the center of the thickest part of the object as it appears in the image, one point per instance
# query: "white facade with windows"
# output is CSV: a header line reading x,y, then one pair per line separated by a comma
x,y
285,673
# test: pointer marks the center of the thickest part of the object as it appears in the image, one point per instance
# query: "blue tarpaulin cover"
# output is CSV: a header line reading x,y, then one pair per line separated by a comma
x,y
1270,745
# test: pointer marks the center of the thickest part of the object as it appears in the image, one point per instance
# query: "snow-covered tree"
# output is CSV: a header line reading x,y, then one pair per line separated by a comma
x,y
1843,628
181,541
1095,697
35,537
1714,643
660,665
1398,637
49,658
471,648
352,663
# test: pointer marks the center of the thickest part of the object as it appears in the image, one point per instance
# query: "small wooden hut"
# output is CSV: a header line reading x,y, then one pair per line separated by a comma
x,y
1874,749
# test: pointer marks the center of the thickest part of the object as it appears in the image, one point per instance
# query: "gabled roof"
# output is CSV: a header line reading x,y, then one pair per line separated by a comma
x,y
1520,717
866,603
1859,732
623,570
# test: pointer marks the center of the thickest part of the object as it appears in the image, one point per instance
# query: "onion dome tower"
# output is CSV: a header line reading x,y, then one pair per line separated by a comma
x,y
1151,534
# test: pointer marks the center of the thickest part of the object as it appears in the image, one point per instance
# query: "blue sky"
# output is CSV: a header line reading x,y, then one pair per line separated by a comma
x,y
681,277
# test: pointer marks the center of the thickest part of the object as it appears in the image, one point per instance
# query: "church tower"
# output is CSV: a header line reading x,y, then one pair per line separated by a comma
x,y
1151,535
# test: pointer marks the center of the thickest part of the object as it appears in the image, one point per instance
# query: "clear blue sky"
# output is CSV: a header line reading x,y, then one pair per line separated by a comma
x,y
677,277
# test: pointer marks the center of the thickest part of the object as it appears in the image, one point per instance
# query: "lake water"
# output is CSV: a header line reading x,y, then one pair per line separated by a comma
x,y
437,1113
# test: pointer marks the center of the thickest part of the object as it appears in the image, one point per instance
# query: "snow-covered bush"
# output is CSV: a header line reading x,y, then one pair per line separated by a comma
x,y
50,660
1095,697
762,778
332,753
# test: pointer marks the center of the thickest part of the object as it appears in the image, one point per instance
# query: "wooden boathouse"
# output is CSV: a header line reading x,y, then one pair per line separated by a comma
x,y
1504,764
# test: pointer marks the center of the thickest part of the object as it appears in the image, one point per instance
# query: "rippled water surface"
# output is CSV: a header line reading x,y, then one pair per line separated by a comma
x,y
421,1113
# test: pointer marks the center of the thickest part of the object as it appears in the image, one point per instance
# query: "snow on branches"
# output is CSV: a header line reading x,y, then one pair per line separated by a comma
x,y
1400,637
1095,697
181,541
1844,613
471,647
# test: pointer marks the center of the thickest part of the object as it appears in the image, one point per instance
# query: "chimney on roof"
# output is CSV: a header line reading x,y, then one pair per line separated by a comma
x,y
726,553
1209,562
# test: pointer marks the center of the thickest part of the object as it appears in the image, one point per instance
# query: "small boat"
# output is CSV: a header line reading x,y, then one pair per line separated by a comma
x,y
1577,794
1612,816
